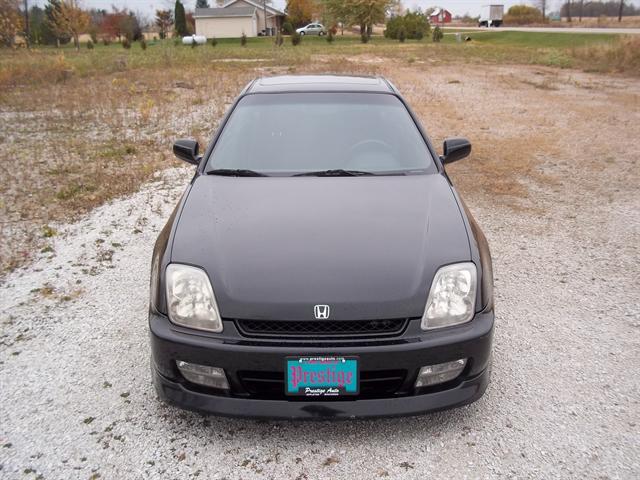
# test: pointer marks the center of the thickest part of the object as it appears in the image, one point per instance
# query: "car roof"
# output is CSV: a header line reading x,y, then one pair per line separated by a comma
x,y
319,83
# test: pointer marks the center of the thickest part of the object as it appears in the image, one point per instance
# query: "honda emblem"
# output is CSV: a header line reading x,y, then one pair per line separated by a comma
x,y
321,312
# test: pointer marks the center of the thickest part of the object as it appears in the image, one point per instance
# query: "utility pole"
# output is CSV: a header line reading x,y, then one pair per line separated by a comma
x,y
264,6
27,34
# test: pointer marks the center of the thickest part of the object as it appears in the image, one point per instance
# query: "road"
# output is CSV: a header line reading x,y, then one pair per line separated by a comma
x,y
621,31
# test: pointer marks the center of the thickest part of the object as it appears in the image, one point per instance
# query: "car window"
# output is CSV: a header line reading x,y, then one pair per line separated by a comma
x,y
293,133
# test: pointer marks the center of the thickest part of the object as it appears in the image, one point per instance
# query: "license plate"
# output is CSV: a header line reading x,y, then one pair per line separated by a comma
x,y
321,376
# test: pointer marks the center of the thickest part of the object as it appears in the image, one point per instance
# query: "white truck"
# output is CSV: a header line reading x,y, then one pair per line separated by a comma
x,y
491,15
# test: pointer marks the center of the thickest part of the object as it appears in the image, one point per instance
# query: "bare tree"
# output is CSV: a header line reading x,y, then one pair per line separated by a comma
x,y
569,11
581,5
543,8
620,11
27,34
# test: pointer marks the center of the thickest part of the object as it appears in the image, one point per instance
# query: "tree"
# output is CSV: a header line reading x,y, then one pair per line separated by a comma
x,y
36,23
202,4
164,20
300,12
413,25
610,8
123,24
337,12
366,12
11,21
180,19
522,15
543,8
49,35
71,20
620,10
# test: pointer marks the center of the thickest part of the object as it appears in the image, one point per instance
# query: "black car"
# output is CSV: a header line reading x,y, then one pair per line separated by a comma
x,y
320,264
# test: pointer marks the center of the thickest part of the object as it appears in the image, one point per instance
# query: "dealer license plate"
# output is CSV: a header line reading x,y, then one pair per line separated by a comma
x,y
321,376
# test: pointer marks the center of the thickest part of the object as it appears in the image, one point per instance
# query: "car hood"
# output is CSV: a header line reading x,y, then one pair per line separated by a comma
x,y
366,246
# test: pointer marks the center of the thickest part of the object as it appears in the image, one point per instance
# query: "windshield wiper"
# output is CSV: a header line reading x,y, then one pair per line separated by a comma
x,y
334,173
235,172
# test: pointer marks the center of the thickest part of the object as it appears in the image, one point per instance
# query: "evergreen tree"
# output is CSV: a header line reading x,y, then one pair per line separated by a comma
x,y
180,19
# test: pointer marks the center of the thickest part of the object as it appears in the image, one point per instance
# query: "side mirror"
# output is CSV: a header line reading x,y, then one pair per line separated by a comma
x,y
455,148
187,150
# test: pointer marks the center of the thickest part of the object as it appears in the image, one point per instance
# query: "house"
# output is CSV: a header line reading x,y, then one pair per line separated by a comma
x,y
439,16
237,17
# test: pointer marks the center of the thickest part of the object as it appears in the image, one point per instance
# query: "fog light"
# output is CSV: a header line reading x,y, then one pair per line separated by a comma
x,y
440,373
204,375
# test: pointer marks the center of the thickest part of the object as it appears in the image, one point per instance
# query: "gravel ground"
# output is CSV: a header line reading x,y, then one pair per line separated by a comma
x,y
76,399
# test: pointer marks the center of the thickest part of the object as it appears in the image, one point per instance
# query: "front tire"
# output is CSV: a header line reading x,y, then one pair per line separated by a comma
x,y
322,34
302,34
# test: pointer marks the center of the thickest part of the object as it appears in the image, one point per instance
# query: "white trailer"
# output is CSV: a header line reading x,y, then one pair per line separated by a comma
x,y
491,15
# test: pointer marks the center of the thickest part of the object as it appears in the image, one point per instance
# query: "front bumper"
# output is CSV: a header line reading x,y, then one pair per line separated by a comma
x,y
236,354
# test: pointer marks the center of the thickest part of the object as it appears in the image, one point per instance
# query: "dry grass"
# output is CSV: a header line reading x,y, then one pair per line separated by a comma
x,y
620,57
79,130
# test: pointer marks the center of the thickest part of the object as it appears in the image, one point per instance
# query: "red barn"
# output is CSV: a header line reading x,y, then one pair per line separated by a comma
x,y
440,15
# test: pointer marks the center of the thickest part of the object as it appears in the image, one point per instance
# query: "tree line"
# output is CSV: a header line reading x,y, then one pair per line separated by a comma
x,y
63,21
580,8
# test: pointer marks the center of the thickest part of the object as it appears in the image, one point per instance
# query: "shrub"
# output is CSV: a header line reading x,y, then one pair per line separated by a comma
x,y
437,35
364,38
106,41
287,28
415,25
176,41
330,36
126,43
214,42
243,40
401,35
522,15
143,43
90,45
296,38
278,41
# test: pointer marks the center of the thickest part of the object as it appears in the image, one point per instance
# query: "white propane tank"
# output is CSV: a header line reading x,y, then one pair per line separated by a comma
x,y
199,39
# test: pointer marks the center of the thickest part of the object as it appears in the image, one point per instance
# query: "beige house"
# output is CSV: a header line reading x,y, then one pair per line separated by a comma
x,y
237,17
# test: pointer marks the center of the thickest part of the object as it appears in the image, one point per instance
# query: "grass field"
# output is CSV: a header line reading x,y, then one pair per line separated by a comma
x,y
612,54
80,128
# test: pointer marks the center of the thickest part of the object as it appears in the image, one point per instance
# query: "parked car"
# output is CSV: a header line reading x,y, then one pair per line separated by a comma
x,y
323,266
312,29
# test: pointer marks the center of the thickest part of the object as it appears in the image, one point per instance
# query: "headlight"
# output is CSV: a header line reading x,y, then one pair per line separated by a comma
x,y
452,297
190,299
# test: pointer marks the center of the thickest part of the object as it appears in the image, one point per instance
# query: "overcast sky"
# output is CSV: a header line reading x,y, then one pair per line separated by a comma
x,y
458,7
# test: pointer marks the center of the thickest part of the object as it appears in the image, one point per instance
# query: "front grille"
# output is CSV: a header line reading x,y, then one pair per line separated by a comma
x,y
321,328
373,384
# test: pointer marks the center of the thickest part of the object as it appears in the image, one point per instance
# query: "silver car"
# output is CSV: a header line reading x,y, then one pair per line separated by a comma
x,y
312,29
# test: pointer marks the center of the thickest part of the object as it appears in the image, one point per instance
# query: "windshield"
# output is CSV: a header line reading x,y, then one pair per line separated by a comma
x,y
298,133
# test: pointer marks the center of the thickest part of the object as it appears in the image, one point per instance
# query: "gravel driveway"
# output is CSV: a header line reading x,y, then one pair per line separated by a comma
x,y
76,400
